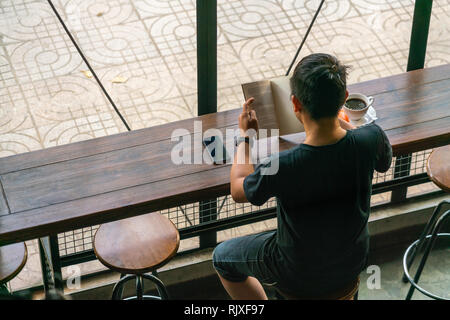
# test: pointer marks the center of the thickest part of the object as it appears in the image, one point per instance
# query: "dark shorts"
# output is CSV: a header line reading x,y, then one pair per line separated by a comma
x,y
238,258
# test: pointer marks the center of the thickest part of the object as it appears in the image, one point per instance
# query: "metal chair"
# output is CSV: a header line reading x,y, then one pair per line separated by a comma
x,y
415,247
438,169
12,260
137,246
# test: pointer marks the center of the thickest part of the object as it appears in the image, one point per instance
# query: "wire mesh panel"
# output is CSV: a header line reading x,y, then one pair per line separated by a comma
x,y
253,228
76,241
183,216
198,213
418,163
188,215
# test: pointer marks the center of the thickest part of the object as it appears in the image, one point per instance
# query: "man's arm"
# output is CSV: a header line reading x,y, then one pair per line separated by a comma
x,y
239,172
242,166
346,125
383,159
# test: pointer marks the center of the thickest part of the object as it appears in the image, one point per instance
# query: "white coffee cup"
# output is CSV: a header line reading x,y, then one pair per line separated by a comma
x,y
355,115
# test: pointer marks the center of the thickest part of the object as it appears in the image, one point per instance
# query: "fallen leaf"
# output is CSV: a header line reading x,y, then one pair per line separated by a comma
x,y
99,14
119,79
87,73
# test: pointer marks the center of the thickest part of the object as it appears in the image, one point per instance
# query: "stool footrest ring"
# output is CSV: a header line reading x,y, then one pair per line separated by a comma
x,y
412,281
118,288
144,297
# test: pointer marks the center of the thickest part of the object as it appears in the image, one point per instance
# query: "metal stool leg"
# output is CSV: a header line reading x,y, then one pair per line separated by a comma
x,y
159,286
139,287
433,236
422,238
118,288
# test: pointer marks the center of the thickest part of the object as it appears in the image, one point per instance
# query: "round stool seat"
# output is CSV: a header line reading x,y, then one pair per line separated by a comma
x,y
12,259
136,245
438,167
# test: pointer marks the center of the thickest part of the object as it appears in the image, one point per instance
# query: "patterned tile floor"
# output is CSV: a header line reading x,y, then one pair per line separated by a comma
x,y
46,99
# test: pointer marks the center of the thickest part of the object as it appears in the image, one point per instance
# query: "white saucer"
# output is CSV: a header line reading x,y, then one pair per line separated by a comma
x,y
369,117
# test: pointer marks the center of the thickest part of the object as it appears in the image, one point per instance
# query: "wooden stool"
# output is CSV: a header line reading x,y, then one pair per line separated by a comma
x,y
348,292
12,260
135,246
438,169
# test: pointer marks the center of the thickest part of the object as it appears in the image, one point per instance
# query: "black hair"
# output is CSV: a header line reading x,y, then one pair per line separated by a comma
x,y
319,82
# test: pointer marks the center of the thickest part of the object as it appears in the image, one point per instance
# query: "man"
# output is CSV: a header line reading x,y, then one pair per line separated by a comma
x,y
323,188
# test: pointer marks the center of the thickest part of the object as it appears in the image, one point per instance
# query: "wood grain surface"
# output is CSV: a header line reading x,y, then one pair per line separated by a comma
x,y
12,259
136,245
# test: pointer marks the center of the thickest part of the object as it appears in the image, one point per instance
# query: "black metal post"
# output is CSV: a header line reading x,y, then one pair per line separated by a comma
x,y
207,56
401,169
139,287
51,263
419,34
208,212
46,274
416,60
56,261
207,90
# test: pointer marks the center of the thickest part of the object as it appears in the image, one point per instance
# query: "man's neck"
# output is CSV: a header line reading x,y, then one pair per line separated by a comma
x,y
323,132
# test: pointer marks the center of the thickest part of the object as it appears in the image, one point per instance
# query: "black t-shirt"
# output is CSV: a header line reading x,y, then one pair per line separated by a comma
x,y
323,198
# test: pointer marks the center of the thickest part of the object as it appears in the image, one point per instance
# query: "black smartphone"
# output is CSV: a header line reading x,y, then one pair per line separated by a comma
x,y
213,145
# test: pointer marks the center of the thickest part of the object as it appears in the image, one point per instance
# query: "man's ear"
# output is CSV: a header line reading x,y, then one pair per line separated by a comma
x,y
297,105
